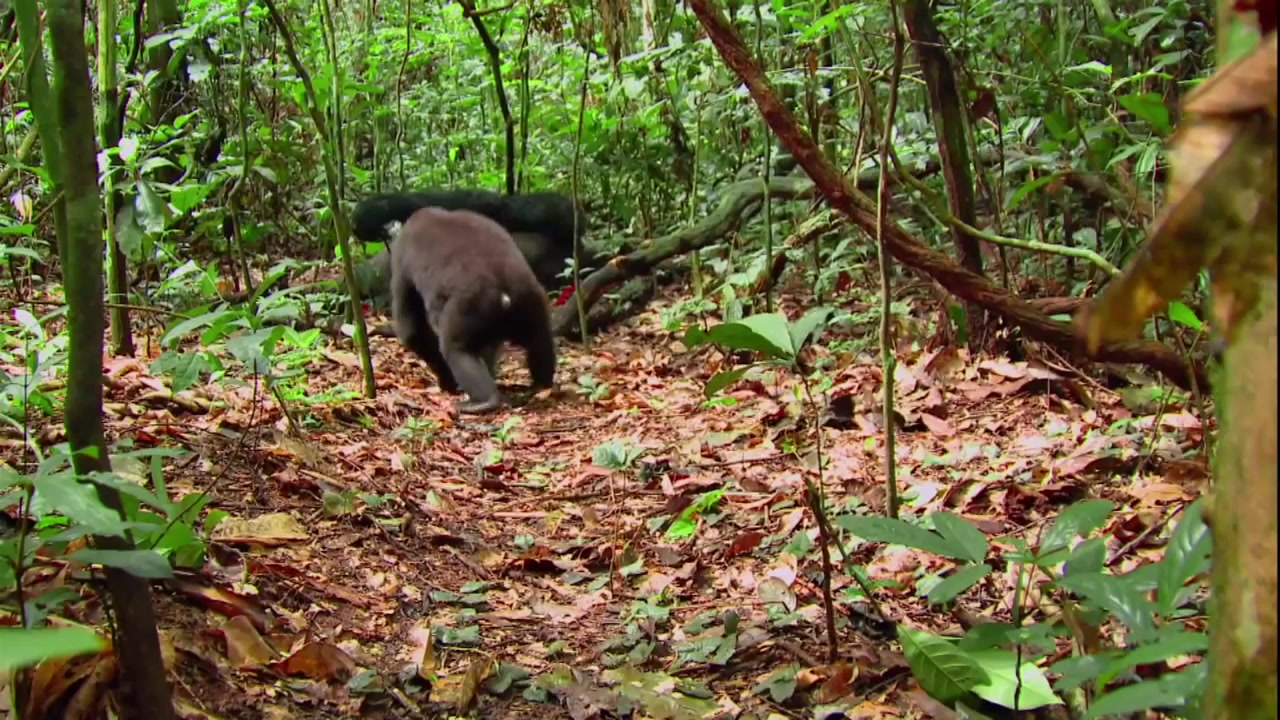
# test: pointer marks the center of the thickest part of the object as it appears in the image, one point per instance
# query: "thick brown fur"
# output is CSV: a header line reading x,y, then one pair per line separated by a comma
x,y
460,288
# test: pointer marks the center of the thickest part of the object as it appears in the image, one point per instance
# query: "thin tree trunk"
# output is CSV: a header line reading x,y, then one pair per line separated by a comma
x,y
953,150
109,120
137,644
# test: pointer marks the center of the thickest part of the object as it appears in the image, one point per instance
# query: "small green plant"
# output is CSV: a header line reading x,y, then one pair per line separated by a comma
x,y
591,388
686,523
417,429
505,433
769,334
43,358
615,454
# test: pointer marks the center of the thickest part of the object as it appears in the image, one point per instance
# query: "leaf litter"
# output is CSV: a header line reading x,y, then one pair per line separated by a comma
x,y
622,546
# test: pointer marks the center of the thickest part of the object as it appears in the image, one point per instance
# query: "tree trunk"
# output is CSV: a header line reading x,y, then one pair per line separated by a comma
x,y
137,643
40,97
109,131
953,150
1243,518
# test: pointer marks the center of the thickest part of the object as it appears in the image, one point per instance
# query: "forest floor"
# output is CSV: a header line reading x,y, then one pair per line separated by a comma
x,y
573,537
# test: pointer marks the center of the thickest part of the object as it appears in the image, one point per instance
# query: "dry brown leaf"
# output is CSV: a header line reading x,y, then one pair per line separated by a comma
x,y
318,661
245,648
272,530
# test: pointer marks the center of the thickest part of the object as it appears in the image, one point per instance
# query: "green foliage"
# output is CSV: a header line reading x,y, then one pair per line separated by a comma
x,y
25,648
42,357
1074,558
767,334
686,523
166,530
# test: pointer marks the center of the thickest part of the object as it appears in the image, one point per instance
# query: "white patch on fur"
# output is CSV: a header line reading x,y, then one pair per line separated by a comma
x,y
506,301
393,228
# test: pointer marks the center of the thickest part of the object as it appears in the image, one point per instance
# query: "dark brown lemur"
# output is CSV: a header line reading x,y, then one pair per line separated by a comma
x,y
460,289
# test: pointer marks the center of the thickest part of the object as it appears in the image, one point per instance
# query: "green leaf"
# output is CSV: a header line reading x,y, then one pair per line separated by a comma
x,y
957,582
1117,595
25,230
1149,107
1168,691
694,336
1177,642
79,501
721,380
1180,313
1003,676
1089,556
186,370
20,648
1185,556
1075,671
188,196
186,327
152,211
125,486
767,333
1029,187
956,529
943,670
898,532
1078,520
810,324
139,563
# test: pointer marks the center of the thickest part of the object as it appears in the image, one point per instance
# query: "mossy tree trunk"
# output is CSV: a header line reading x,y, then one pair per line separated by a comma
x,y
1243,518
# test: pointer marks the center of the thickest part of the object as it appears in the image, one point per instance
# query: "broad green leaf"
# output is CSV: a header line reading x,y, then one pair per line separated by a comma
x,y
722,380
1006,679
695,336
186,327
79,502
139,563
1167,691
186,369
987,635
768,333
1088,557
152,211
957,582
1075,671
1185,556
1184,316
1122,598
128,487
25,230
20,648
151,164
943,670
809,324
970,539
899,532
1179,642
1149,107
1078,520
189,196
28,322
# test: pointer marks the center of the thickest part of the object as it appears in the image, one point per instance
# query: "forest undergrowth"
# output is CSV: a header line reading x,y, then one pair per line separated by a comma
x,y
602,522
